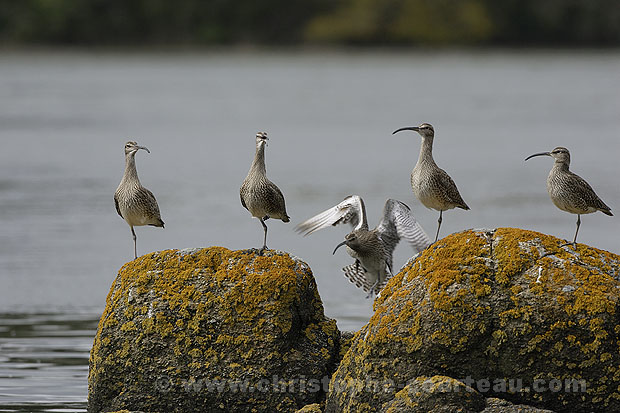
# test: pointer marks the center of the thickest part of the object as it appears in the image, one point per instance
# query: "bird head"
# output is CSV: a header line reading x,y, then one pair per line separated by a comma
x,y
351,240
131,147
261,139
425,130
560,154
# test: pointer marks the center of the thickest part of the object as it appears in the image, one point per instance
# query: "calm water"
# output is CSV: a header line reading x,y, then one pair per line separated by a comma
x,y
65,117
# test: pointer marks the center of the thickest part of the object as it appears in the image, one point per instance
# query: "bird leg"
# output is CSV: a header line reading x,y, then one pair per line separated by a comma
x,y
135,248
574,243
262,221
372,289
577,231
438,226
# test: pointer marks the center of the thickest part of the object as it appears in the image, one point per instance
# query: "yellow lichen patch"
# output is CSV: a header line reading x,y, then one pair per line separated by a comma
x,y
310,408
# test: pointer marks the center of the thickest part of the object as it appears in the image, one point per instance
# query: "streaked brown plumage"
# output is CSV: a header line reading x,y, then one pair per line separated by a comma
x,y
258,194
568,191
134,203
431,184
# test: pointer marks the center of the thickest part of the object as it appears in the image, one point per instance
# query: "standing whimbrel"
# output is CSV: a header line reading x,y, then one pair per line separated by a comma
x,y
431,184
134,203
258,194
568,191
372,250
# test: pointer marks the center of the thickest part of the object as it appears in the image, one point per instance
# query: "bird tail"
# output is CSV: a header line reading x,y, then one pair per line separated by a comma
x,y
158,224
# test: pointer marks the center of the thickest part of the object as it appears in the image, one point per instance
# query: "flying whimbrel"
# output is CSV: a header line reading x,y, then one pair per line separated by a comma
x,y
372,250
134,203
568,191
258,194
431,184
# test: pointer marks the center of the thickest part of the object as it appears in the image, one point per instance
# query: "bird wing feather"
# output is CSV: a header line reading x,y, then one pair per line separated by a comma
x,y
242,200
451,193
147,201
275,196
350,211
116,205
398,222
586,195
357,275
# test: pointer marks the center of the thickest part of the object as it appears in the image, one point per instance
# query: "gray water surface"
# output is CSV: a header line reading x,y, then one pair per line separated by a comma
x,y
64,119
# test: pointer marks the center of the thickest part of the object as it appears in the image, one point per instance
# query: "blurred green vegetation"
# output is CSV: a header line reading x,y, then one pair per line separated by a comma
x,y
578,23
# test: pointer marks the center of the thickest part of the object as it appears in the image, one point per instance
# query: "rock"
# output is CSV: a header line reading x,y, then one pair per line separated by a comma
x,y
494,405
310,408
437,394
508,312
212,330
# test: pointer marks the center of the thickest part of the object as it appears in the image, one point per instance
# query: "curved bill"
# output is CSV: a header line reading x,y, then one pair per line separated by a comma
x,y
338,246
143,147
539,154
413,128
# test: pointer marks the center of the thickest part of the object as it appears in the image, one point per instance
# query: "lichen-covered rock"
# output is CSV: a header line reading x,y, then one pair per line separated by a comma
x,y
511,313
212,330
437,394
310,408
494,405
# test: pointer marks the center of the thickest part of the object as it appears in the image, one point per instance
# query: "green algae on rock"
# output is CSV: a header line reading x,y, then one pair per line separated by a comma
x,y
212,330
532,321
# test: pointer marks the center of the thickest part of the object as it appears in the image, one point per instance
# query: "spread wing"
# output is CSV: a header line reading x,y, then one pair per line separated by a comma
x,y
350,211
358,276
398,222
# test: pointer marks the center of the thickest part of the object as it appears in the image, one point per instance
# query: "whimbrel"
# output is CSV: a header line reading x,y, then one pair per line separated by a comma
x,y
134,203
258,194
372,250
431,184
568,191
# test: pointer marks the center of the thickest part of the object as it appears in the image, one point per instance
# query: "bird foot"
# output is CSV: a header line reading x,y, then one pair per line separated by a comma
x,y
262,250
574,244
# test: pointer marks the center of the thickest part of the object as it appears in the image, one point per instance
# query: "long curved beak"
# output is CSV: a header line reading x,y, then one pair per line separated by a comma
x,y
413,128
338,246
539,154
143,147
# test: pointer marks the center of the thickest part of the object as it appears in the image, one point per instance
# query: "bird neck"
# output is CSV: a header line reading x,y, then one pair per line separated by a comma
x,y
426,150
258,165
560,167
131,173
